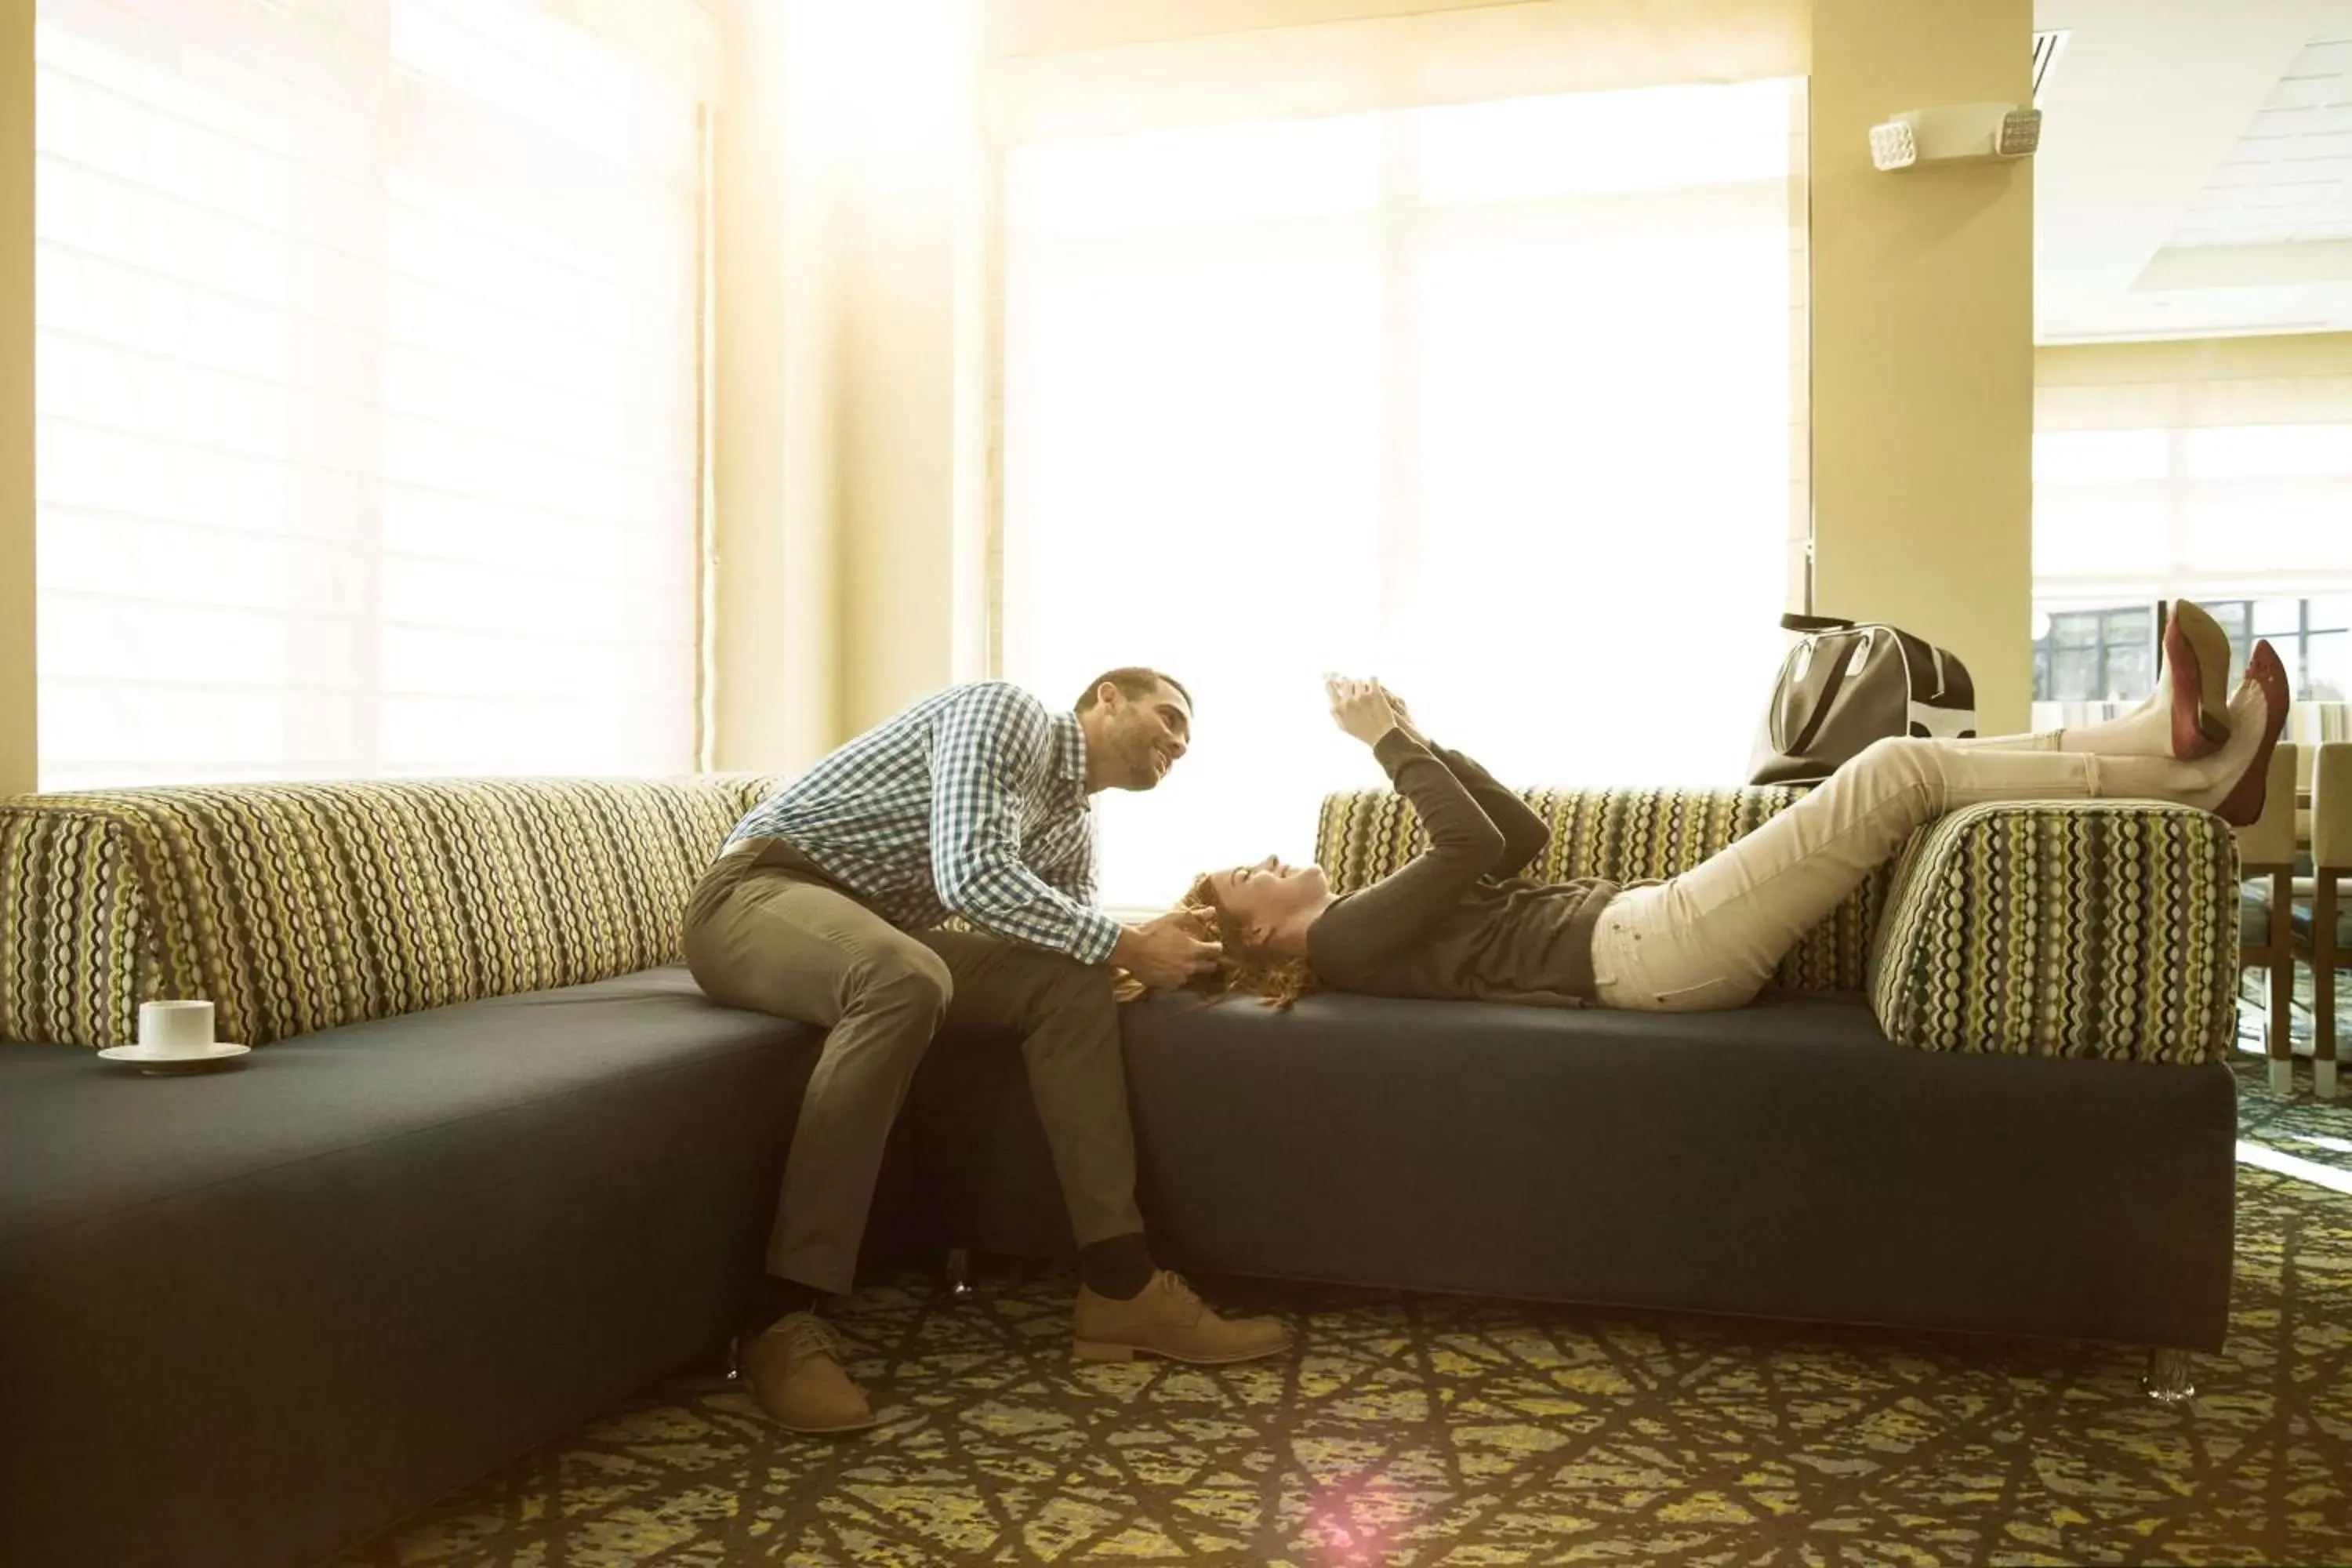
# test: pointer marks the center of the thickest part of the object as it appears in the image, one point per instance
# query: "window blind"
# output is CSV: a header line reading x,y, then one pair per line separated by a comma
x,y
368,390
2199,468
2220,471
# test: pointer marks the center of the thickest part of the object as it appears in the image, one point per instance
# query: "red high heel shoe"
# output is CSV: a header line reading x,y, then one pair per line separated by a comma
x,y
2243,805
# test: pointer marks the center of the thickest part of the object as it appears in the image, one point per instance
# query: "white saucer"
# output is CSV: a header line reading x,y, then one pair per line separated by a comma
x,y
153,1063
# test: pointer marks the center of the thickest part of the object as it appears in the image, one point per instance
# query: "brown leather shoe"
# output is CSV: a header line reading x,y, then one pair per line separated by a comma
x,y
794,1370
1168,1320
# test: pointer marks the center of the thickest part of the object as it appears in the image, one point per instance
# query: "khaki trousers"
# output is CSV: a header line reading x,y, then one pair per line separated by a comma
x,y
1712,936
765,930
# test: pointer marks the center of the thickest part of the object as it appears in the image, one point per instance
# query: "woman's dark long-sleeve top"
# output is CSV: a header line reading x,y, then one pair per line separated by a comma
x,y
1459,921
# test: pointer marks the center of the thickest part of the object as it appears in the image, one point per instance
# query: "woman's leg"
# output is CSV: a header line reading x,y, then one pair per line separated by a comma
x,y
2175,720
1713,936
2132,735
2145,733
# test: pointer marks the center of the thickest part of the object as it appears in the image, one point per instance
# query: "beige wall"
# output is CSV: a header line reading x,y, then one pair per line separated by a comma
x,y
1039,26
775,588
848,450
2284,357
1301,59
1923,343
913,436
17,727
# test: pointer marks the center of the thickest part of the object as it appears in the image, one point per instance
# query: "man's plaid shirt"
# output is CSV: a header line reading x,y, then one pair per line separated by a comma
x,y
971,803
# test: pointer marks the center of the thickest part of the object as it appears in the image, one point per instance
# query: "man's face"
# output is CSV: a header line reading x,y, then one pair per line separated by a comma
x,y
1144,735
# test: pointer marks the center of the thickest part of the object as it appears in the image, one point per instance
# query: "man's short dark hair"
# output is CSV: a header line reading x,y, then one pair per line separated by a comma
x,y
1135,682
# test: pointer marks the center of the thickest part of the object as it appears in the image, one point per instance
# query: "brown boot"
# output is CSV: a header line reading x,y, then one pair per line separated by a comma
x,y
794,1369
1168,1320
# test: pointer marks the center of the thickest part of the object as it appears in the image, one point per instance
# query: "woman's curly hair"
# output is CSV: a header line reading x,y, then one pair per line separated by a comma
x,y
1279,981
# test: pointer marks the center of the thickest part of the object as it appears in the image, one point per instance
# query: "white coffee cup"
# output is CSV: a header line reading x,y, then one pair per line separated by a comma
x,y
176,1028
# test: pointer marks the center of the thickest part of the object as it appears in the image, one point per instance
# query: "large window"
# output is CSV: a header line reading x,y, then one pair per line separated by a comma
x,y
2095,655
2109,655
1498,402
2221,471
367,393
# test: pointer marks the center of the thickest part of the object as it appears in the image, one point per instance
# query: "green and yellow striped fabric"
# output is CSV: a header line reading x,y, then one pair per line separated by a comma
x,y
1627,835
2054,928
2074,928
2080,929
298,906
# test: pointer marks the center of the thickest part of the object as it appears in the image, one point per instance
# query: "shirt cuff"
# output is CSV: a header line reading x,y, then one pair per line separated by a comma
x,y
1095,936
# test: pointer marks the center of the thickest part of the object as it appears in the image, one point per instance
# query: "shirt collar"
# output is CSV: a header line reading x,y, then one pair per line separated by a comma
x,y
1070,754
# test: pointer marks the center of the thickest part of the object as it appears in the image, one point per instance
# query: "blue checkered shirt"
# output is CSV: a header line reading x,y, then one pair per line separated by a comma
x,y
971,803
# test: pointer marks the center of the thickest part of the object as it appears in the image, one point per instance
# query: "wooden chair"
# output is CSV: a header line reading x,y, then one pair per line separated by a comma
x,y
2266,852
2331,856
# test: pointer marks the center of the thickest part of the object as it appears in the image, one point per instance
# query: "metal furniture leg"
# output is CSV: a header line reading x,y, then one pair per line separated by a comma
x,y
2171,1377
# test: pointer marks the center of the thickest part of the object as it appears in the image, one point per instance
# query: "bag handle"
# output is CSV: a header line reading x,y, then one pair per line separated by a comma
x,y
1794,622
1820,713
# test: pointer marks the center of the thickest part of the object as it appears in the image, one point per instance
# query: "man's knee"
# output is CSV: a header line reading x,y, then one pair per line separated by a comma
x,y
907,977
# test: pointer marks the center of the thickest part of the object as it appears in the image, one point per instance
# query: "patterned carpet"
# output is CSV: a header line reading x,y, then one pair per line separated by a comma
x,y
1439,1431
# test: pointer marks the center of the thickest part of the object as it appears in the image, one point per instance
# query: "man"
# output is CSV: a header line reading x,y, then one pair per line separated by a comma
x,y
825,906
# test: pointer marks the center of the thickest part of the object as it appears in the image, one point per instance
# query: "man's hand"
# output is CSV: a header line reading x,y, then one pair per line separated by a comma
x,y
1361,708
1163,955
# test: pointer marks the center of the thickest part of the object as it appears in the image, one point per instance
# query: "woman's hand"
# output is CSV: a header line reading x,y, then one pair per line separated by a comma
x,y
1404,716
1361,708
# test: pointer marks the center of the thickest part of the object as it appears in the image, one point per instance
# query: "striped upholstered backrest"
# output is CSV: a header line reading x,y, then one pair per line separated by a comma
x,y
1631,835
300,907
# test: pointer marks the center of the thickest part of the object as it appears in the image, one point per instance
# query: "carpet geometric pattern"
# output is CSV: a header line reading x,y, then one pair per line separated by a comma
x,y
1430,1430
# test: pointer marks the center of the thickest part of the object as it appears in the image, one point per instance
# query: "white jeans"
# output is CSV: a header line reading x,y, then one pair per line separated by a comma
x,y
1712,936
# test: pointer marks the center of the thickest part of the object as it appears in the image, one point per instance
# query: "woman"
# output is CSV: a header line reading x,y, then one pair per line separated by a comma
x,y
1459,922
